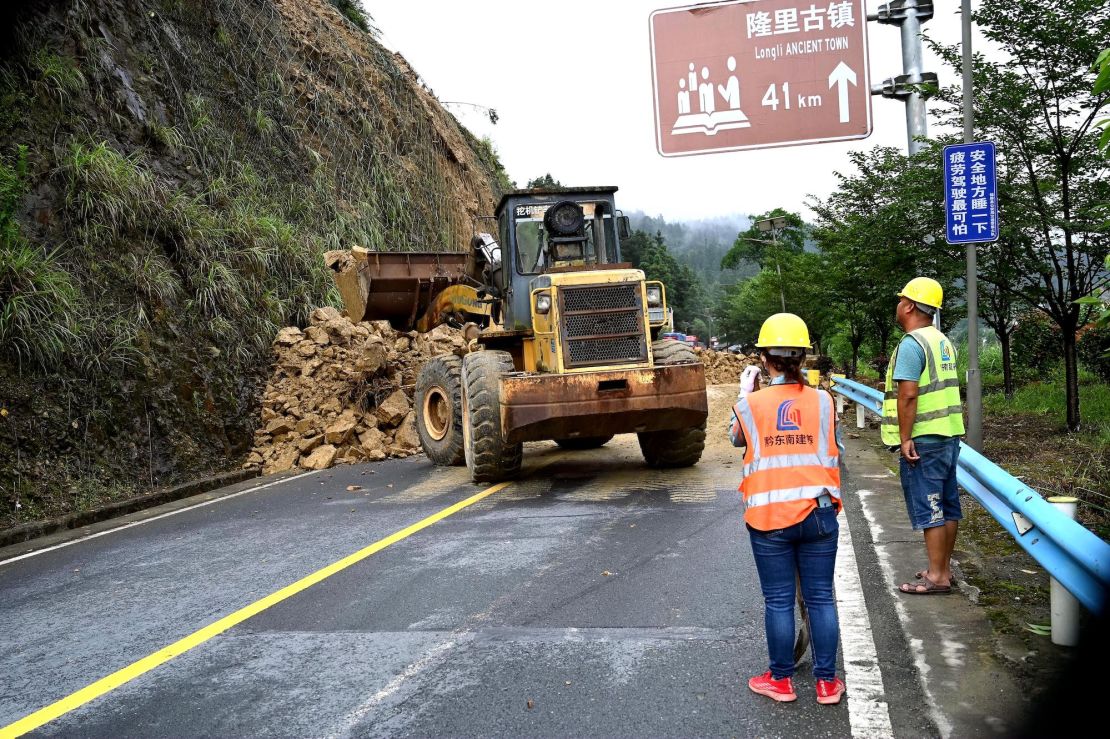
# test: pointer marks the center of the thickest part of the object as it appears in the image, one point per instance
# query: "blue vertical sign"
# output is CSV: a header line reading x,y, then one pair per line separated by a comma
x,y
970,193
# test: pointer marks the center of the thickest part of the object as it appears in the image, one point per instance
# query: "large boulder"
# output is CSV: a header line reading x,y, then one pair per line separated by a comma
x,y
321,458
394,408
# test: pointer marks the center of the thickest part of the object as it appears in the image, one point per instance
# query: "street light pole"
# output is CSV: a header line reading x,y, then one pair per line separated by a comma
x,y
773,226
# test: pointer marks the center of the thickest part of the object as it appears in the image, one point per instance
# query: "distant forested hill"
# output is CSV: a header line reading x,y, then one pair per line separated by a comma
x,y
700,244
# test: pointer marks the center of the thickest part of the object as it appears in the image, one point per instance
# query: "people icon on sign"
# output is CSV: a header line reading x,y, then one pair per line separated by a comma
x,y
708,120
731,90
683,98
705,93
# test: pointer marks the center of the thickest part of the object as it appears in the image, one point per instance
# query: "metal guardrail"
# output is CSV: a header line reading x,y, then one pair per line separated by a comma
x,y
1075,557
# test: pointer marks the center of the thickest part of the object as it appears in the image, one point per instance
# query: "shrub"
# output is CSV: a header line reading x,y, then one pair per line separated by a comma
x,y
1094,351
39,316
1036,343
58,76
353,12
38,301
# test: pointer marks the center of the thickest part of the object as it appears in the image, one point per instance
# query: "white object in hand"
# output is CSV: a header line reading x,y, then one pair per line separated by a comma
x,y
747,380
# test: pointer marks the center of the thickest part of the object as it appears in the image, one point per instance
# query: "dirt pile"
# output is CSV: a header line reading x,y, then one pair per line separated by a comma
x,y
724,368
342,392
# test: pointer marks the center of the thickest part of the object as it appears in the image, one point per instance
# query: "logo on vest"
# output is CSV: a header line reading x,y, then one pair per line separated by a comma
x,y
790,418
945,354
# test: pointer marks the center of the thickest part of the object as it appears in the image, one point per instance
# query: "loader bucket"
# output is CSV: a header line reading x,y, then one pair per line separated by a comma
x,y
394,286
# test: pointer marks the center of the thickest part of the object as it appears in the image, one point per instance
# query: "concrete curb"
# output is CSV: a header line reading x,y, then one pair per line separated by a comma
x,y
35,529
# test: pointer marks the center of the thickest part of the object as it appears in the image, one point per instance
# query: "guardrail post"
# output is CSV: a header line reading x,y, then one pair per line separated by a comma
x,y
861,416
1063,605
838,396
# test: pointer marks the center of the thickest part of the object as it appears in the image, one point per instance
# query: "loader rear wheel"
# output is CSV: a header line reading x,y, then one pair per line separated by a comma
x,y
439,417
488,456
584,442
679,447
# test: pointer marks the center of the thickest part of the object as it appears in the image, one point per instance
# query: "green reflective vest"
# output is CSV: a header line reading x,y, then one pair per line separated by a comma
x,y
939,409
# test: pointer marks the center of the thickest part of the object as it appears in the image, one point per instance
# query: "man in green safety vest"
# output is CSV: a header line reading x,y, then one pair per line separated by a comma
x,y
923,416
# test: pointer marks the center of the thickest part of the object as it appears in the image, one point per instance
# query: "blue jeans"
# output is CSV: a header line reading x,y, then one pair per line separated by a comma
x,y
809,549
929,484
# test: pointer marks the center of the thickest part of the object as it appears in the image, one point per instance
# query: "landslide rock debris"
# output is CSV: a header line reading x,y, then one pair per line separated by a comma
x,y
724,368
342,392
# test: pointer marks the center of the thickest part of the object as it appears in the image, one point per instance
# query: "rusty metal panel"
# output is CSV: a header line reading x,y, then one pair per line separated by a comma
x,y
547,406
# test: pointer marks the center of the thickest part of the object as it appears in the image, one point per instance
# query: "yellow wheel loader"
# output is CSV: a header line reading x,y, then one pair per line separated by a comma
x,y
562,337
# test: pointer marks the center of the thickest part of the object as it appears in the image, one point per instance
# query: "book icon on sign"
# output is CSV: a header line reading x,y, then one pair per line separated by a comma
x,y
709,120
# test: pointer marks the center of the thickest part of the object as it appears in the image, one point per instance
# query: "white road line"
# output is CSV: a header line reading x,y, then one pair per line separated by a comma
x,y
868,713
353,718
221,499
944,726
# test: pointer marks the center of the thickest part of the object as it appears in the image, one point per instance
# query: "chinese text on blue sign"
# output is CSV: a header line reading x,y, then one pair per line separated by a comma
x,y
970,193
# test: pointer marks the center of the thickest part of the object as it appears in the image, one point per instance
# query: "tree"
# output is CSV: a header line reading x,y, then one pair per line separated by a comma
x,y
545,181
875,233
744,307
769,248
685,293
1036,105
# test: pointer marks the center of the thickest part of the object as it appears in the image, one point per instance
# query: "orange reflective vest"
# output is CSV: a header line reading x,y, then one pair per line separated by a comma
x,y
791,456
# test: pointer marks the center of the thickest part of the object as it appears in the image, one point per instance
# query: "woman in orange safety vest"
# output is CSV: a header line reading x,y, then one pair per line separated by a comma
x,y
791,490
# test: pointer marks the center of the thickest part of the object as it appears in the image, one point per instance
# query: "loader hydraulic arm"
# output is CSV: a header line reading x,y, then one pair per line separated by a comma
x,y
458,302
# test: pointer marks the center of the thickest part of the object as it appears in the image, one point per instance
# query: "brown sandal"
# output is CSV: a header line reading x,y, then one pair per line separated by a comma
x,y
931,588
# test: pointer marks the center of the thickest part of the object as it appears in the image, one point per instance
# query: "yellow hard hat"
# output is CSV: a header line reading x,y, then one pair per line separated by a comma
x,y
924,290
784,330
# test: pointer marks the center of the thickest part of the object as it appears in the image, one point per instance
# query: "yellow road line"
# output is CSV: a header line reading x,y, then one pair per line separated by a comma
x,y
146,664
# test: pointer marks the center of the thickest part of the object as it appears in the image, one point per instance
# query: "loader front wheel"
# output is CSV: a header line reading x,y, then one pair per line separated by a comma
x,y
584,442
679,447
439,417
488,456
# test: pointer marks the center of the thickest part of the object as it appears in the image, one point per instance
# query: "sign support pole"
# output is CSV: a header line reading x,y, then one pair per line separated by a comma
x,y
974,379
908,15
916,123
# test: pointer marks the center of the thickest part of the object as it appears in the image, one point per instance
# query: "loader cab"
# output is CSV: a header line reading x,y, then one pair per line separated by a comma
x,y
542,231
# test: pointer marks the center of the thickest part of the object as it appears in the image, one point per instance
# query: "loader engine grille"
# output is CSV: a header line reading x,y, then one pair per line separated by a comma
x,y
602,324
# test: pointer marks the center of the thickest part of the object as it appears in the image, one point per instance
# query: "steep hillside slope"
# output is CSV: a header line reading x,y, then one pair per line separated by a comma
x,y
171,172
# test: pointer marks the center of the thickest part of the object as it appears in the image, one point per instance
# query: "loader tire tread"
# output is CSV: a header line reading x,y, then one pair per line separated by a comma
x,y
489,457
672,448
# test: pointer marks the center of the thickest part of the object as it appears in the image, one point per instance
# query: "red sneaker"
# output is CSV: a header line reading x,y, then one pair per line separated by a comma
x,y
780,690
829,691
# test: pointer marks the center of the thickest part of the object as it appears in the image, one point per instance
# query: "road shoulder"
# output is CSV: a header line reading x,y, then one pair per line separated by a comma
x,y
969,690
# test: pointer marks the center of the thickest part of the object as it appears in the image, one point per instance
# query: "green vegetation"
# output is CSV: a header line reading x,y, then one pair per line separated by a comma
x,y
58,77
1048,397
685,294
352,10
1040,284
168,212
38,301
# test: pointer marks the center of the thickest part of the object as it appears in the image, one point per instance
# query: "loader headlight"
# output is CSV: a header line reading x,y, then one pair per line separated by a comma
x,y
654,296
543,303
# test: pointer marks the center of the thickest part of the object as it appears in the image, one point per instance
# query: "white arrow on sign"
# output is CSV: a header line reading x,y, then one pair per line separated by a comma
x,y
842,75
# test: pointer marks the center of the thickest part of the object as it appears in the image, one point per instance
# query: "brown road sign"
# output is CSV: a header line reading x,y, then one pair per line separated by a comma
x,y
756,74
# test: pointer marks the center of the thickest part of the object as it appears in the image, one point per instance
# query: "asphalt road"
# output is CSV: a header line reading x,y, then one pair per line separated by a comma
x,y
592,597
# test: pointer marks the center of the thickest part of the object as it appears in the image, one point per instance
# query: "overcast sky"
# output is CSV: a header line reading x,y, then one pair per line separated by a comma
x,y
571,82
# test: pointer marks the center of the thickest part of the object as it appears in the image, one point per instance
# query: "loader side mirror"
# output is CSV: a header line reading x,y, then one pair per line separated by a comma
x,y
624,230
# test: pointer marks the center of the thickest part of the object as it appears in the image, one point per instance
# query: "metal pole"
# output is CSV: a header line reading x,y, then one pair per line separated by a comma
x,y
974,380
916,122
782,290
1063,606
